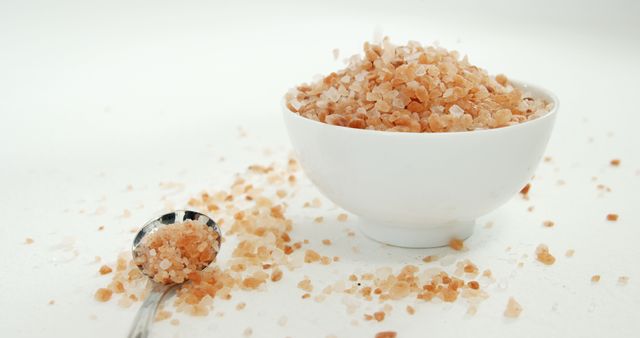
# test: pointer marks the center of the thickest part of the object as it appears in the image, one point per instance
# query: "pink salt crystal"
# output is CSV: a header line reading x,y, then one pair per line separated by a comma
x,y
513,309
456,111
336,53
165,264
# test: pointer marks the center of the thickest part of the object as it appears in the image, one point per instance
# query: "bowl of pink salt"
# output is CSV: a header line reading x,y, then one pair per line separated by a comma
x,y
418,142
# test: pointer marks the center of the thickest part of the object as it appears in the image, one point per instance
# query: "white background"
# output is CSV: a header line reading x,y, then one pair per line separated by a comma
x,y
97,95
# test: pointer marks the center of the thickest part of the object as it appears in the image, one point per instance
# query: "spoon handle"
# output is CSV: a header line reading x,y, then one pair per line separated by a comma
x,y
147,311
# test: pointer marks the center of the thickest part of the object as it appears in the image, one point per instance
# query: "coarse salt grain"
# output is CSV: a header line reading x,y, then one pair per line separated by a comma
x,y
456,111
305,285
513,310
623,280
162,315
103,295
456,244
276,275
105,270
164,264
310,256
430,258
470,268
472,310
410,310
543,255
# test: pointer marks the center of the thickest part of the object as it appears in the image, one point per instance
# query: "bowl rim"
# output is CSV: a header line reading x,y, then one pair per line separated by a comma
x,y
520,84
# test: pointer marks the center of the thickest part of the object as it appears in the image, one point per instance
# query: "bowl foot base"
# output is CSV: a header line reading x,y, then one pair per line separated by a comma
x,y
416,237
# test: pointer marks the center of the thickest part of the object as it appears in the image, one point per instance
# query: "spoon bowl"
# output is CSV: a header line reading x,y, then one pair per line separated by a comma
x,y
177,216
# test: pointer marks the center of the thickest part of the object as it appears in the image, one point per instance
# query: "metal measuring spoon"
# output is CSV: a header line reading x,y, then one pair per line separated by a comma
x,y
147,311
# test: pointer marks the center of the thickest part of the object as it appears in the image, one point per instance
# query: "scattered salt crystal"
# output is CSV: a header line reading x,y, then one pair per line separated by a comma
x,y
544,256
623,280
125,302
472,310
513,309
351,304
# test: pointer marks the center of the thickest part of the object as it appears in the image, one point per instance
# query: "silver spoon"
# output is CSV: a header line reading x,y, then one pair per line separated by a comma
x,y
147,311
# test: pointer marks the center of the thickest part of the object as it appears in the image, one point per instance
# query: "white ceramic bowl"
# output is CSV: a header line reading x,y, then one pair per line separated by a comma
x,y
420,189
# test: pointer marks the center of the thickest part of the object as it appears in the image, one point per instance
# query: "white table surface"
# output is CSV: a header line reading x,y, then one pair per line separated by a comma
x,y
95,96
